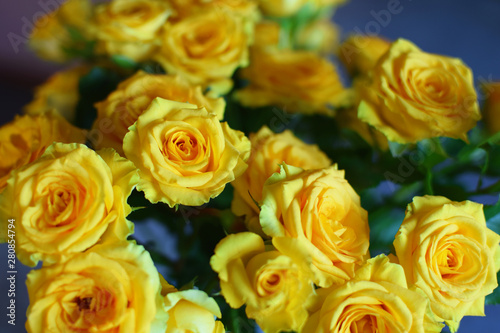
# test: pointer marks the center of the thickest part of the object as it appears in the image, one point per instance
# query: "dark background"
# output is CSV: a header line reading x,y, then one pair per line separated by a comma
x,y
460,28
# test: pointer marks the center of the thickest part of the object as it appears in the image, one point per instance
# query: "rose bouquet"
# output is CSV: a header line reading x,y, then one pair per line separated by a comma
x,y
282,186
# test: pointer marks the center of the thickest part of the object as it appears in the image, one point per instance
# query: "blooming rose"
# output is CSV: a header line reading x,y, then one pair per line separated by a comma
x,y
298,81
25,139
66,201
206,49
375,300
192,311
274,287
415,95
51,38
109,288
320,207
447,251
268,151
133,96
491,111
130,27
59,92
184,154
360,53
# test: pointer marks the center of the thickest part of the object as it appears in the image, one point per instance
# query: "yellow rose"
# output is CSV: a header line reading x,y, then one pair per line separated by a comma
x,y
109,288
281,8
51,39
491,109
298,81
375,300
206,49
243,8
192,311
448,252
130,27
320,36
267,33
360,53
274,287
122,107
183,153
419,95
59,92
268,151
320,207
25,139
66,201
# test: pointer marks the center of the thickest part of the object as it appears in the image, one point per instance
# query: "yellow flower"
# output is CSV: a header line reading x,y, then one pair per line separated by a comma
x,y
360,53
206,49
184,154
274,287
298,81
192,311
133,96
50,37
375,300
447,251
320,36
25,139
267,33
491,110
415,95
59,92
109,288
281,8
244,8
268,151
66,201
130,27
320,207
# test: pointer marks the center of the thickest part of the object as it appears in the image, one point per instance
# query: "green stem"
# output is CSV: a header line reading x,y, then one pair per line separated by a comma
x,y
428,183
235,320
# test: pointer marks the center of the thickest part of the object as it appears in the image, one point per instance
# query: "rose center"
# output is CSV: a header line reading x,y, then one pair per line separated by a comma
x,y
59,203
450,261
83,303
182,147
269,283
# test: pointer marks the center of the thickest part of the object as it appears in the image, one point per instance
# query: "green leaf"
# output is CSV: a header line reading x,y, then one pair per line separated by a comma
x,y
397,149
492,215
384,224
189,285
123,61
494,297
94,87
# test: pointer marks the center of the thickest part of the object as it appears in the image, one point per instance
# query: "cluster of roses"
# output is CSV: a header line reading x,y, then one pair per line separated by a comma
x,y
205,42
304,264
307,269
70,206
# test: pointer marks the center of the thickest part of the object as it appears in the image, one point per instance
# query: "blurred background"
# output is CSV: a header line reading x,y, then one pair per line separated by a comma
x,y
459,28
